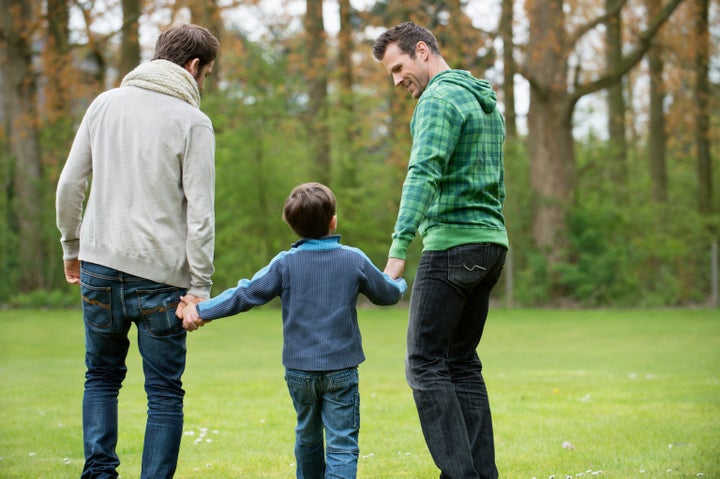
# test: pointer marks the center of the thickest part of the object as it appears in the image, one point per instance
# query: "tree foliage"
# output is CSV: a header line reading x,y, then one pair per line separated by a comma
x,y
296,100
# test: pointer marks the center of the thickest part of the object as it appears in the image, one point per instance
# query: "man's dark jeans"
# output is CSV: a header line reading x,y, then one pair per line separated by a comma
x,y
448,309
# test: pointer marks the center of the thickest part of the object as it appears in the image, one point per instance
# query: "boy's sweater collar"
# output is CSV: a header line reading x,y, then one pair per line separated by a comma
x,y
317,244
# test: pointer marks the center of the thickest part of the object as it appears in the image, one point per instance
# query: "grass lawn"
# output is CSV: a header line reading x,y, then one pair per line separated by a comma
x,y
614,394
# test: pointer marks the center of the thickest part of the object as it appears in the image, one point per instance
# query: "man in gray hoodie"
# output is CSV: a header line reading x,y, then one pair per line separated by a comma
x,y
144,239
452,195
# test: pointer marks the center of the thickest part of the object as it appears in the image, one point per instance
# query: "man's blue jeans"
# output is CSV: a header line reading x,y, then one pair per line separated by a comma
x,y
448,308
112,301
328,400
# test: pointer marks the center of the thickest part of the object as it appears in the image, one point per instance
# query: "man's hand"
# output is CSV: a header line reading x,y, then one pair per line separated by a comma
x,y
395,267
184,302
72,271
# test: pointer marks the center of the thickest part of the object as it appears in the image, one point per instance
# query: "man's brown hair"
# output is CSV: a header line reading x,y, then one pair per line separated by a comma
x,y
407,35
184,42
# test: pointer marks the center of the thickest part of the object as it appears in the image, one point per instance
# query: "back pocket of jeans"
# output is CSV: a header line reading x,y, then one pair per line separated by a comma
x,y
96,305
157,307
466,269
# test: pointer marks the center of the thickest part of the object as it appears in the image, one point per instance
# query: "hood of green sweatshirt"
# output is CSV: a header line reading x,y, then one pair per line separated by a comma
x,y
480,88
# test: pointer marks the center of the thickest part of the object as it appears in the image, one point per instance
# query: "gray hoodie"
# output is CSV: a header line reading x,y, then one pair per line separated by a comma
x,y
150,210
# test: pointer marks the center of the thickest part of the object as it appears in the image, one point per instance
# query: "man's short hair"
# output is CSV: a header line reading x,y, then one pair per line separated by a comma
x,y
183,42
309,209
406,35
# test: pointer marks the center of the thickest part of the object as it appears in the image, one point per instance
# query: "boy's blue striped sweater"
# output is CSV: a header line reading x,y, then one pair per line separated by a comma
x,y
318,282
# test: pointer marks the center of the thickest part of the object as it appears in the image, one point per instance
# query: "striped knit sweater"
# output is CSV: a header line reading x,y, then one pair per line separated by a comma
x,y
318,282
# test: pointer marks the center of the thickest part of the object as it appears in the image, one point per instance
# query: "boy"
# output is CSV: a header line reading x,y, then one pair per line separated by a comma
x,y
318,281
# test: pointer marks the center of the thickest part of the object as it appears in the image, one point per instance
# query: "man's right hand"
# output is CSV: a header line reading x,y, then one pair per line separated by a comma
x,y
395,267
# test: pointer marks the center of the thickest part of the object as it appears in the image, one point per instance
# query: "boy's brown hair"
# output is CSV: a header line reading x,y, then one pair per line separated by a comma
x,y
309,209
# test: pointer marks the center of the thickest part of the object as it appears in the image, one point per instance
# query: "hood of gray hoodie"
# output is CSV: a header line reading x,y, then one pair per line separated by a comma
x,y
480,88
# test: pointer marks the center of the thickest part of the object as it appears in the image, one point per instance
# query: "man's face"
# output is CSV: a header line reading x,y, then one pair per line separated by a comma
x,y
411,73
202,74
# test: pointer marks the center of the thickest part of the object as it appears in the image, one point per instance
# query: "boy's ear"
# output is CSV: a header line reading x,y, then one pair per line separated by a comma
x,y
333,223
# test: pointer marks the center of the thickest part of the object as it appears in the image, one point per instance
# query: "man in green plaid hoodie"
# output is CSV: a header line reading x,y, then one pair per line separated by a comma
x,y
452,195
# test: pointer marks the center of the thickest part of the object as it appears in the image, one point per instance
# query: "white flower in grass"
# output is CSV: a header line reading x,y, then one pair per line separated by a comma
x,y
31,454
567,445
699,474
66,461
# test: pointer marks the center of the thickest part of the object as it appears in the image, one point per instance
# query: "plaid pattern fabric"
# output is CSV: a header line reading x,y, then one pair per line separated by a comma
x,y
454,189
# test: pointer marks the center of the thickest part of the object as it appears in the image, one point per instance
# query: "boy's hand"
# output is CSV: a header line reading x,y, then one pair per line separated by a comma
x,y
191,318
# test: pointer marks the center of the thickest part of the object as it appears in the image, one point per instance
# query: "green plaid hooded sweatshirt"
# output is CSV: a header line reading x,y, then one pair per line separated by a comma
x,y
454,189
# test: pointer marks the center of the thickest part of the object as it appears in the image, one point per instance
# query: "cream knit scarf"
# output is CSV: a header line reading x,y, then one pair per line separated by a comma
x,y
165,77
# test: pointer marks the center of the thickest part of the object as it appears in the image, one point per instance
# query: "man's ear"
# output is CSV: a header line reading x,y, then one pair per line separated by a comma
x,y
192,66
421,50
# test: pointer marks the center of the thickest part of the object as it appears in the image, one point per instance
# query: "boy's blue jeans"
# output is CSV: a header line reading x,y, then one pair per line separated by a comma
x,y
328,400
112,301
448,309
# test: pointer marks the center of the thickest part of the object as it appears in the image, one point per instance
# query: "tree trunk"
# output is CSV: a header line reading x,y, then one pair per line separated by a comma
x,y
57,59
349,150
657,157
552,159
617,161
506,31
20,97
316,73
702,108
553,176
130,46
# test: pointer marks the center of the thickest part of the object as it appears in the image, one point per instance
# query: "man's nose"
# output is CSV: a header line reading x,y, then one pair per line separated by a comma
x,y
397,79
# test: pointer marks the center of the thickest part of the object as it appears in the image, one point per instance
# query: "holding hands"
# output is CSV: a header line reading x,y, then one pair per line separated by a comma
x,y
187,311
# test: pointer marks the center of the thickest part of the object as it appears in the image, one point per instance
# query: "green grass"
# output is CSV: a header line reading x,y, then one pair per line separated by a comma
x,y
632,391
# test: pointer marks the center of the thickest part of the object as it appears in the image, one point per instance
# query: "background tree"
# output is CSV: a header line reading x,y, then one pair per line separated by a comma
x,y
316,65
130,46
703,95
553,96
20,22
657,159
617,158
509,68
